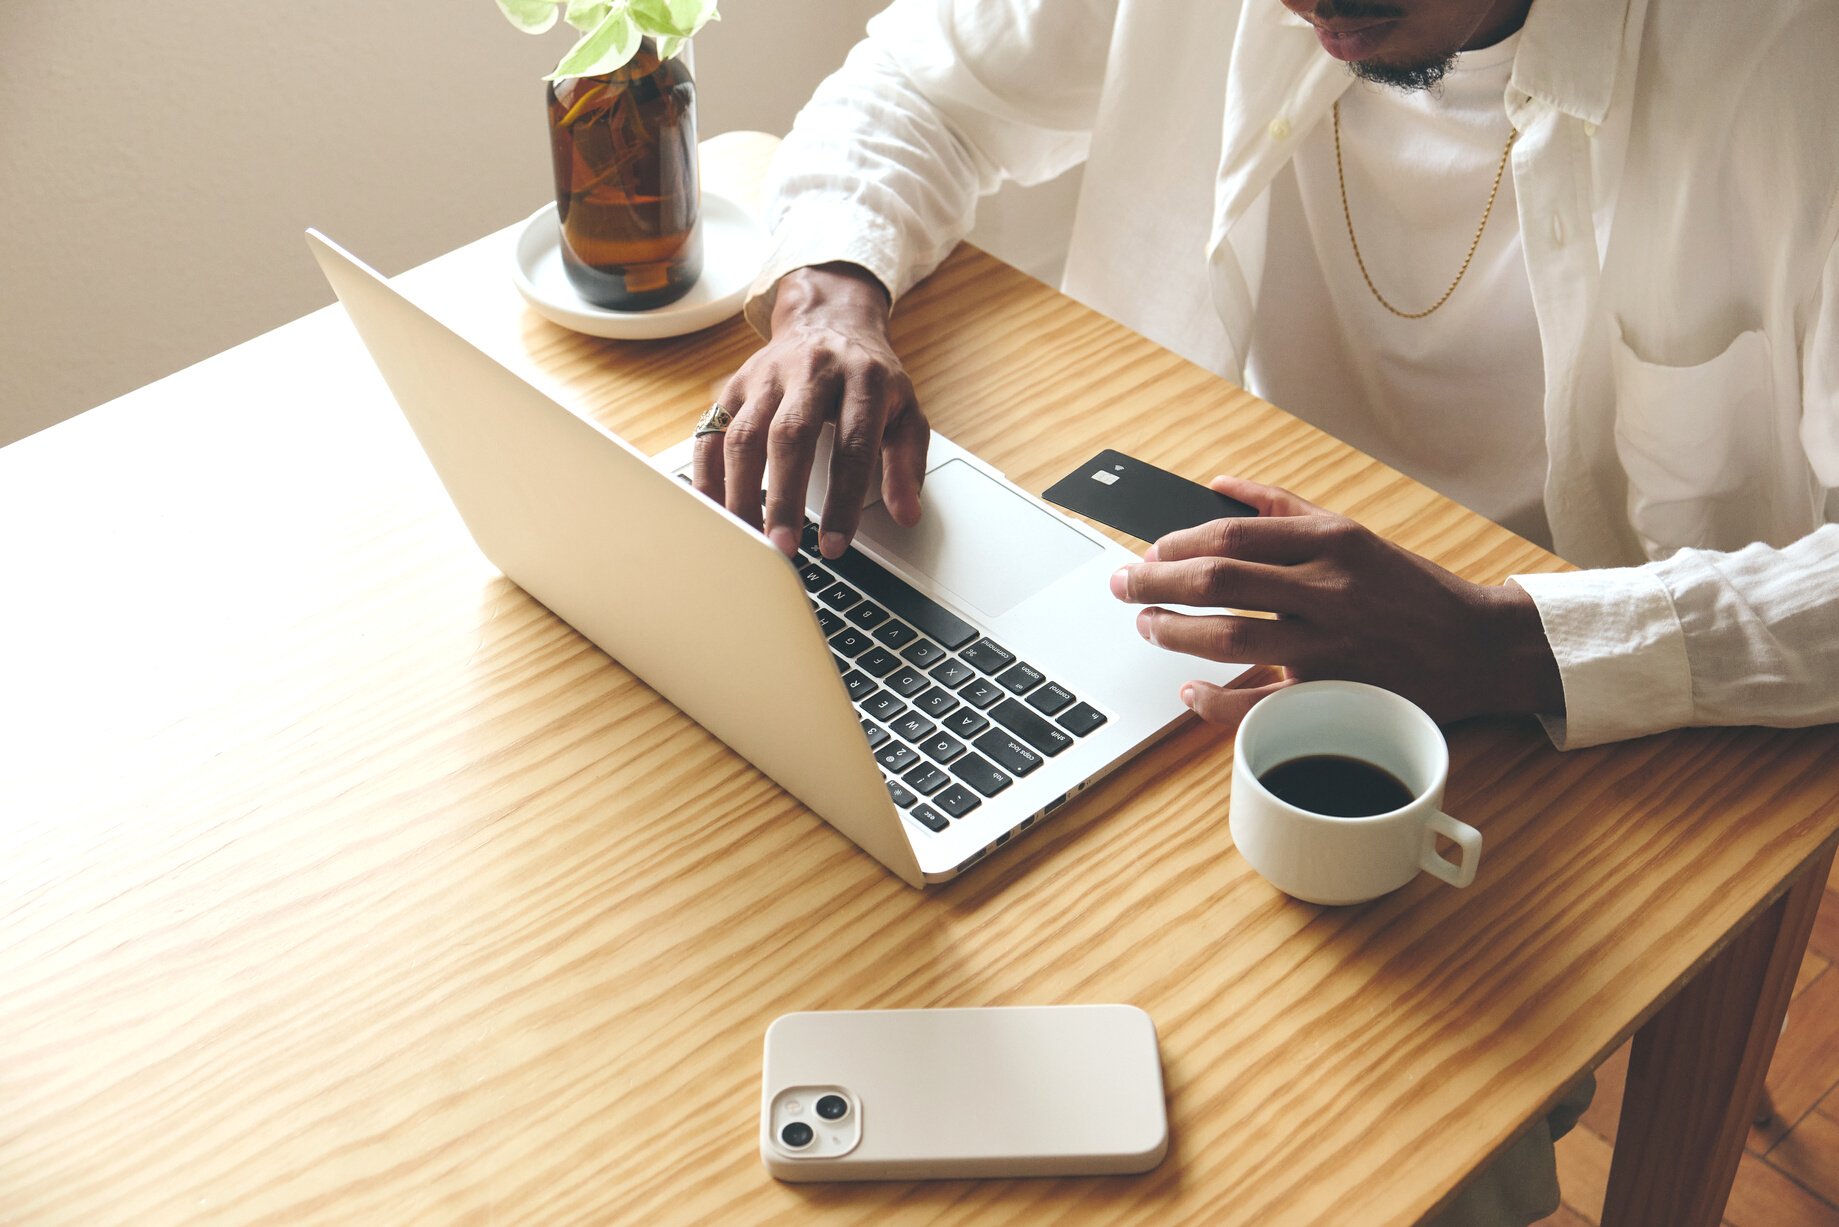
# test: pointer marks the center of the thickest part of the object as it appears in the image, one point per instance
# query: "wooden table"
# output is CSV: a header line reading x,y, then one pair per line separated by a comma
x,y
340,882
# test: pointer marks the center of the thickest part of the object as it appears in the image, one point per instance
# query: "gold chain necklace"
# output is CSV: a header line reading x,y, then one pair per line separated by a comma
x,y
1475,243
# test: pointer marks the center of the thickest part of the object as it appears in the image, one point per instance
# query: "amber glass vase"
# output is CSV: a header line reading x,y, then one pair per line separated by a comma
x,y
626,190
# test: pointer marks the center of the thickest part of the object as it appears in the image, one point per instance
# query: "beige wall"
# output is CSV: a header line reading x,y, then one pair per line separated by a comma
x,y
160,161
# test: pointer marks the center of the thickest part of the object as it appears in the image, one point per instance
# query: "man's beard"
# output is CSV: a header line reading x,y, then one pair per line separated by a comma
x,y
1411,77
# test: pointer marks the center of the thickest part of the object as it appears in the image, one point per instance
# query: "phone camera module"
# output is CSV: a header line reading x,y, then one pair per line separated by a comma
x,y
833,1107
797,1135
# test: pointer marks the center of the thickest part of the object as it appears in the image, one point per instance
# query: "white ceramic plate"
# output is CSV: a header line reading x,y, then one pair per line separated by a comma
x,y
733,249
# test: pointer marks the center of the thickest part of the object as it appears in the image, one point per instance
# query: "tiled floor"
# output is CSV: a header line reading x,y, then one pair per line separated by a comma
x,y
1789,1176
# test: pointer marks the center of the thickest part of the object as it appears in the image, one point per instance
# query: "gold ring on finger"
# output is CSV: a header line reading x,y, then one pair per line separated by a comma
x,y
715,420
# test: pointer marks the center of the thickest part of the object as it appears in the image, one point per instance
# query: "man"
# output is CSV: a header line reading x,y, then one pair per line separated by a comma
x,y
1570,261
1637,359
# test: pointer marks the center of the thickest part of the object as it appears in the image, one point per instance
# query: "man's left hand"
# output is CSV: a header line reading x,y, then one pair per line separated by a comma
x,y
1349,605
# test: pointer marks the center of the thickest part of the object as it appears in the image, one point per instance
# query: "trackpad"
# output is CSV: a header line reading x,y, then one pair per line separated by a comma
x,y
979,540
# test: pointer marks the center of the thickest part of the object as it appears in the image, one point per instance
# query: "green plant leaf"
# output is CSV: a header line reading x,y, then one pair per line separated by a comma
x,y
669,45
695,13
606,47
531,16
584,15
672,18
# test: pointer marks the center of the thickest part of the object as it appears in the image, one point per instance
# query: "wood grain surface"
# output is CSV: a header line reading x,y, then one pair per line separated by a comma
x,y
340,882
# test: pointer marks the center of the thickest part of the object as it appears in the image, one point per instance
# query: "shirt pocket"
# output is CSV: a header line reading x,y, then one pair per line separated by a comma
x,y
1687,438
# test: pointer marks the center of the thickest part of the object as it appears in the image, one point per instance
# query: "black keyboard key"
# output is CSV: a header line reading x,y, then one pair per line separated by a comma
x,y
988,655
964,724
957,801
1082,719
935,702
808,539
1027,724
977,771
926,779
849,643
868,614
883,706
981,693
839,596
896,635
906,681
1050,698
829,621
860,684
951,673
914,727
896,757
1020,679
901,796
876,734
878,661
842,666
923,653
932,818
904,599
1008,752
815,577
941,748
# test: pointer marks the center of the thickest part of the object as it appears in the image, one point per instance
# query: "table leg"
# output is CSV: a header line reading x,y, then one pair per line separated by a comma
x,y
1697,1069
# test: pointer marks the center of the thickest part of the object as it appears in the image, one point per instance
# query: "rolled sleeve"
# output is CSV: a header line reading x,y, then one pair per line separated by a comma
x,y
943,102
824,229
1621,654
1699,638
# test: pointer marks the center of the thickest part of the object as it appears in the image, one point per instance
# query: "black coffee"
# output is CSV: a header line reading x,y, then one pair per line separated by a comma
x,y
1337,786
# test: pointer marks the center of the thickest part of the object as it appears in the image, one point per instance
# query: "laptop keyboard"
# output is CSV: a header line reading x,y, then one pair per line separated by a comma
x,y
952,716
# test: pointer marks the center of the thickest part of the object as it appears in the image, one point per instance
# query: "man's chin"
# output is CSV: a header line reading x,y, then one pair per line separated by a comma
x,y
1419,76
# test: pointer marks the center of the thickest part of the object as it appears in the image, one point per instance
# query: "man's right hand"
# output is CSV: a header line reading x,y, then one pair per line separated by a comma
x,y
829,360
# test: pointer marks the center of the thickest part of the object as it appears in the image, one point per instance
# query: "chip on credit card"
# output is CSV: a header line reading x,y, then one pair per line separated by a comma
x,y
1138,498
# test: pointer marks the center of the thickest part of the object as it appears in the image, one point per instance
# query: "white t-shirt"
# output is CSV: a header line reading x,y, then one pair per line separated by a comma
x,y
1454,399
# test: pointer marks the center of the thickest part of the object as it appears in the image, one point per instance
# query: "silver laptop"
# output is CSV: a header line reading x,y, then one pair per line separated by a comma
x,y
933,694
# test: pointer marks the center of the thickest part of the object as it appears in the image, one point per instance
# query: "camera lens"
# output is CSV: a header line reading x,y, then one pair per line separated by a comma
x,y
833,1107
797,1135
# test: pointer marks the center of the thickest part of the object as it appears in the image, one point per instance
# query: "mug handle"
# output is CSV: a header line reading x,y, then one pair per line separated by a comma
x,y
1468,840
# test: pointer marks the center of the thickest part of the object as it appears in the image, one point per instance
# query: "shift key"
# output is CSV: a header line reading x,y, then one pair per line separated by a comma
x,y
903,598
1027,723
1009,753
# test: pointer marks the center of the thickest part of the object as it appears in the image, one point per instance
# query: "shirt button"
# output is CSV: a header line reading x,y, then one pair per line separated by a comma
x,y
1558,229
1280,129
1589,128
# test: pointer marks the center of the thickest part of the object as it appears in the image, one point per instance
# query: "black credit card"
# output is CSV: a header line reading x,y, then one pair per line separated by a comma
x,y
1139,498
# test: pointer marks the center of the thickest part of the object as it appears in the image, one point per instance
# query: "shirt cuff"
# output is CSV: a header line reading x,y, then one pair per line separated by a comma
x,y
1621,654
815,230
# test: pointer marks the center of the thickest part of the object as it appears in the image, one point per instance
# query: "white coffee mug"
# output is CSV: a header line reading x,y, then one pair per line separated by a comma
x,y
1324,859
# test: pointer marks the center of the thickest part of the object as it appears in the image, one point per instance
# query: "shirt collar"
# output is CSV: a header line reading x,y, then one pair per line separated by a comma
x,y
1569,53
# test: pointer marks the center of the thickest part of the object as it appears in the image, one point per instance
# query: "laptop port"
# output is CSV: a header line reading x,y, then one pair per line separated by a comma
x,y
1056,803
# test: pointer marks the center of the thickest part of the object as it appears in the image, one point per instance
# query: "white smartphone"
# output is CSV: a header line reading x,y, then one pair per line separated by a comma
x,y
931,1094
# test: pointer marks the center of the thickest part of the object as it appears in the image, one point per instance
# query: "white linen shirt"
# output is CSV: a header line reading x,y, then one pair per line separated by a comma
x,y
1677,180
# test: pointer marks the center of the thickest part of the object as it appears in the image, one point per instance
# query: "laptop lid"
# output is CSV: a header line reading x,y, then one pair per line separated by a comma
x,y
678,590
